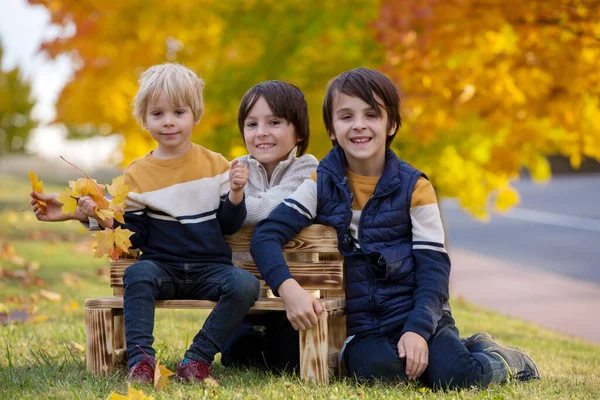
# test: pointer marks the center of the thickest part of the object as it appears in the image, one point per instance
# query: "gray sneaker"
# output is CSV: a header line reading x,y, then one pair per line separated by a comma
x,y
519,364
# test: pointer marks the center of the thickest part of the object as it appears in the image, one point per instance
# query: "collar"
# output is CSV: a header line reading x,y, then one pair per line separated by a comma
x,y
335,164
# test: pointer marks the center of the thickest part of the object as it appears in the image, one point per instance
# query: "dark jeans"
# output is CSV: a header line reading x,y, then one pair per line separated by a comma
x,y
265,341
375,356
234,289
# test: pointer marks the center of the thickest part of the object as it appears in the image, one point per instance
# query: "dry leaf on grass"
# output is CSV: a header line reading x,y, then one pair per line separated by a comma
x,y
77,347
132,394
161,376
52,296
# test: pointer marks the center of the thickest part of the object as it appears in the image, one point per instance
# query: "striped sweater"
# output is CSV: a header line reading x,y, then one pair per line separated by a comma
x,y
179,208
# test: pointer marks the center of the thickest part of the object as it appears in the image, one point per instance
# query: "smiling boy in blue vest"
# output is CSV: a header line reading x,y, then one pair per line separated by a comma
x,y
390,232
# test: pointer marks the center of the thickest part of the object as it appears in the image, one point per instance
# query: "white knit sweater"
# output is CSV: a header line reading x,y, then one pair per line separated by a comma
x,y
262,194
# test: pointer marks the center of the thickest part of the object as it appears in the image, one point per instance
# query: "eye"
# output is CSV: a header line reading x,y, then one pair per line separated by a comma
x,y
156,114
250,124
275,122
372,115
345,117
179,112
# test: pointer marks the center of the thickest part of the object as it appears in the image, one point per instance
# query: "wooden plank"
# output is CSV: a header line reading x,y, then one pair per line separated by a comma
x,y
328,275
118,328
315,239
334,306
99,350
314,354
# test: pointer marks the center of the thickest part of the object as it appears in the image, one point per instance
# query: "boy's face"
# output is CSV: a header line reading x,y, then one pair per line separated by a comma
x,y
268,138
170,125
361,133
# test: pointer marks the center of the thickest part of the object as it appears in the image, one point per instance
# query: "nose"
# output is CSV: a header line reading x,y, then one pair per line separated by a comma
x,y
359,123
168,120
261,131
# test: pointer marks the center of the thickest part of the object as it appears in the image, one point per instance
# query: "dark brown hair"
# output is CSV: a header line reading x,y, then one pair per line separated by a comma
x,y
366,84
286,101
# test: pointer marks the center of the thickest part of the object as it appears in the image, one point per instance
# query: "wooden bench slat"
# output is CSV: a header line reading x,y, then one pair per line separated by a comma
x,y
312,239
276,304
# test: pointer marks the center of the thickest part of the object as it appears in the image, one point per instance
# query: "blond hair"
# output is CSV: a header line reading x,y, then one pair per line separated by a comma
x,y
180,84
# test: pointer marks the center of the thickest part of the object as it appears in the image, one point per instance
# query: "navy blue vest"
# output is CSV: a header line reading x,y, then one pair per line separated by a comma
x,y
380,279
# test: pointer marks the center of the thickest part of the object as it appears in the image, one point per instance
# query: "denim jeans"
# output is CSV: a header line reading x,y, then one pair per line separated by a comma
x,y
375,356
266,341
235,290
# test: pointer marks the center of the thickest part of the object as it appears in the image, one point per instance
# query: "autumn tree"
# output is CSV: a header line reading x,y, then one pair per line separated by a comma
x,y
232,45
490,86
15,111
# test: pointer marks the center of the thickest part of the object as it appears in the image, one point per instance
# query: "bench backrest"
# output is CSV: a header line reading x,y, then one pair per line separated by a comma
x,y
312,256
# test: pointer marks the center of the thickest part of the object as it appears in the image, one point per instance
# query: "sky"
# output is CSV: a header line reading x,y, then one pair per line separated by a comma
x,y
22,29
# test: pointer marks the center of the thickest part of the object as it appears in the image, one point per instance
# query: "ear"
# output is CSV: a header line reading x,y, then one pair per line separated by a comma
x,y
332,136
392,130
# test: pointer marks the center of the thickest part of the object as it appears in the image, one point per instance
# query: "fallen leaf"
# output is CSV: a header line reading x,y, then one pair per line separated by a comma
x,y
161,376
72,306
77,347
132,394
52,296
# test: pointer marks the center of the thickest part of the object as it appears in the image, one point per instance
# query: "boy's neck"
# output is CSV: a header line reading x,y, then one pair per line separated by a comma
x,y
364,168
165,154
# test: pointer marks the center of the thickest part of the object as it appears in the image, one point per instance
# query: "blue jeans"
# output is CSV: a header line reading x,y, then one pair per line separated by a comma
x,y
375,356
235,290
266,341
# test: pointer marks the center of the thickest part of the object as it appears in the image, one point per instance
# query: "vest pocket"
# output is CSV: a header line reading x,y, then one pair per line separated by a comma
x,y
398,262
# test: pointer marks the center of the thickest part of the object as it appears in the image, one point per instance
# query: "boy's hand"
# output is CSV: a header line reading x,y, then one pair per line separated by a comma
x,y
412,346
53,212
238,176
87,206
302,309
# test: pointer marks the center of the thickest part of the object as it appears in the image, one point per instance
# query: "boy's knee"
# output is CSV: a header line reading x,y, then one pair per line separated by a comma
x,y
141,271
244,285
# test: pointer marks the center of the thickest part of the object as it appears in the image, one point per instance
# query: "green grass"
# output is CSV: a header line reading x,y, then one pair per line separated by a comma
x,y
37,360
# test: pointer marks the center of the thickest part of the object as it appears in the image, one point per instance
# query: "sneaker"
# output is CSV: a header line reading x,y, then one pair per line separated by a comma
x,y
519,364
479,342
142,372
194,370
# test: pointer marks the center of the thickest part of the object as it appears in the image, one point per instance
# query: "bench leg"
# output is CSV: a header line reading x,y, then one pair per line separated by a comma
x,y
119,339
314,343
99,350
337,336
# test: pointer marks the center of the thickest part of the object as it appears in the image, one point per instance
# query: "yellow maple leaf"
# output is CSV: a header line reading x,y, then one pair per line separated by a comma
x,y
507,198
112,242
104,213
161,376
69,202
118,189
121,239
132,394
37,186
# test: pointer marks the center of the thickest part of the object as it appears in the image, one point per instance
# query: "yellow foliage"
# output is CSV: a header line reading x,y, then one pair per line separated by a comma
x,y
132,394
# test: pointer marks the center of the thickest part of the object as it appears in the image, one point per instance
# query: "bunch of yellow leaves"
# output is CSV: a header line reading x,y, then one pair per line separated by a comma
x,y
111,242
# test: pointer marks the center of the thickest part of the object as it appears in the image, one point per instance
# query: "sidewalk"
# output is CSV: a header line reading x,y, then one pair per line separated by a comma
x,y
554,301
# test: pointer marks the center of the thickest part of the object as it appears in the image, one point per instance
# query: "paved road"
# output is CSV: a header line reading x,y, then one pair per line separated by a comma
x,y
540,262
556,228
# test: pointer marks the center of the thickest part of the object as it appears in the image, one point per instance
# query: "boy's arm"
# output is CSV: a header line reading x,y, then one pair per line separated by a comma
x,y
260,206
232,208
432,270
286,221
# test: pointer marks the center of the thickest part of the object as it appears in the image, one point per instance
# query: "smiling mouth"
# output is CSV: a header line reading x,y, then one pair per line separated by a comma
x,y
360,140
169,133
265,146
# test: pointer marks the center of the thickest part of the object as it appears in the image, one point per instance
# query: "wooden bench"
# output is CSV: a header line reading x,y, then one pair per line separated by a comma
x,y
314,262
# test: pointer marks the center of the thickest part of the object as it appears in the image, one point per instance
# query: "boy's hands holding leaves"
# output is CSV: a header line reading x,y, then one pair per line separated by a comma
x,y
414,348
238,176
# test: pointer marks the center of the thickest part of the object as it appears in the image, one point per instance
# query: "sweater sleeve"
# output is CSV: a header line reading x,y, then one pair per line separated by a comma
x,y
260,205
432,269
287,220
